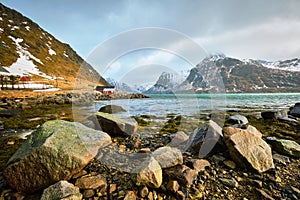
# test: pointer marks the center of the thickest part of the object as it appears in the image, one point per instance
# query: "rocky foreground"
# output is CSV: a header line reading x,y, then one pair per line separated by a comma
x,y
112,157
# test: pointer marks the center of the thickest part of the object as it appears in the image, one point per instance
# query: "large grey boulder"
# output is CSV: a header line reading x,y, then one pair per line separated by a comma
x,y
286,147
114,124
62,190
206,140
55,151
168,156
295,110
248,150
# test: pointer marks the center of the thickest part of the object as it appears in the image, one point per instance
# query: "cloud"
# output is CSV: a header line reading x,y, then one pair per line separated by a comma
x,y
273,40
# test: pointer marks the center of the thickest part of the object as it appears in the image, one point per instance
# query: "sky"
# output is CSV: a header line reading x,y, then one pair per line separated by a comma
x,y
255,29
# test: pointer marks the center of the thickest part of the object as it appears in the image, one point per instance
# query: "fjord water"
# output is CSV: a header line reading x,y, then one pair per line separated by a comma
x,y
193,104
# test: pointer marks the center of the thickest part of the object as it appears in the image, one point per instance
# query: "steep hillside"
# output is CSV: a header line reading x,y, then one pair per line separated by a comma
x,y
27,49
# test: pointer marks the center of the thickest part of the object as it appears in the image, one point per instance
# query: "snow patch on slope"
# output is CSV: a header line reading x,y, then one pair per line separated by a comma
x,y
24,64
291,65
51,52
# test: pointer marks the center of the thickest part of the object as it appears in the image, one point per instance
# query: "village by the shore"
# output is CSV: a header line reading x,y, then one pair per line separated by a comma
x,y
241,156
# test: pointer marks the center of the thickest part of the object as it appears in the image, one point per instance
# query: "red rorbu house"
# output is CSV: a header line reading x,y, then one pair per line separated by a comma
x,y
106,89
25,78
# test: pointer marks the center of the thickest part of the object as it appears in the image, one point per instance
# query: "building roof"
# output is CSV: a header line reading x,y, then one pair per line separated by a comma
x,y
3,71
104,87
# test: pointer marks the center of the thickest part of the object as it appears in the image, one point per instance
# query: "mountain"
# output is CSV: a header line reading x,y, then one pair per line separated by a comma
x,y
121,87
243,75
28,50
218,73
166,84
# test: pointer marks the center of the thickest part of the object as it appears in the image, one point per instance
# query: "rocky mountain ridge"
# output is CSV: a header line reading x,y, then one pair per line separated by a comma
x,y
28,50
219,73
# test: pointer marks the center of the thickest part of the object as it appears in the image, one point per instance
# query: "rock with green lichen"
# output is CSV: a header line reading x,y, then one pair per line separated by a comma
x,y
286,147
55,151
62,190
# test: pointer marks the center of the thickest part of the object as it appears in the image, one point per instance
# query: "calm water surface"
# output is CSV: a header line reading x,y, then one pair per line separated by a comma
x,y
192,104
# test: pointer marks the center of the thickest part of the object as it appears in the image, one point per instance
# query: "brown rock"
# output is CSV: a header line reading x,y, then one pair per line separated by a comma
x,y
173,186
149,174
248,150
183,174
130,196
91,182
199,164
88,193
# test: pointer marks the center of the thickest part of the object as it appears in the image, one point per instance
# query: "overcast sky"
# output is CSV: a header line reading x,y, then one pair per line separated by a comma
x,y
258,29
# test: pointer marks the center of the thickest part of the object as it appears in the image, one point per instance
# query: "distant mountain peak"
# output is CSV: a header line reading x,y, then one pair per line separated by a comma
x,y
214,56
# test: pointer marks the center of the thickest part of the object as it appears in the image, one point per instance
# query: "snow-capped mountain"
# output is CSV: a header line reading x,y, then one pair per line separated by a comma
x,y
218,73
167,83
243,76
289,65
27,49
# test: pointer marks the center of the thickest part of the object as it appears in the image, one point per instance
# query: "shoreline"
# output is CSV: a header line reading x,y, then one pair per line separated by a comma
x,y
208,183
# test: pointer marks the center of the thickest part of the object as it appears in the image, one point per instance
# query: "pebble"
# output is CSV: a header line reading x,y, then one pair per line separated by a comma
x,y
173,186
230,164
144,191
88,193
229,182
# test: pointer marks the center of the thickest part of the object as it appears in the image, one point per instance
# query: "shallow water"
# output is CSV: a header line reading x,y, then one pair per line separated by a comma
x,y
193,104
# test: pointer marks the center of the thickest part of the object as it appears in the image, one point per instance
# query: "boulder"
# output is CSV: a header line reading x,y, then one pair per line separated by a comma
x,y
198,164
111,109
55,151
274,114
179,140
114,125
149,174
248,150
286,147
238,119
206,140
62,190
168,156
182,173
295,110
